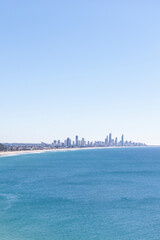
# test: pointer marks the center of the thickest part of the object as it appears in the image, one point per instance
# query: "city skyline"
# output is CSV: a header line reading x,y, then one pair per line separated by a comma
x,y
81,141
109,141
107,138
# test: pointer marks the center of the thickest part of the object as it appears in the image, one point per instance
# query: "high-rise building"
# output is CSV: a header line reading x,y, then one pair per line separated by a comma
x,y
83,142
68,142
116,141
110,138
77,141
122,140
106,141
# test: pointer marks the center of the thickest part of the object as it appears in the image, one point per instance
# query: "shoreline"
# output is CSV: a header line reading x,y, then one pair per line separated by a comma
x,y
15,153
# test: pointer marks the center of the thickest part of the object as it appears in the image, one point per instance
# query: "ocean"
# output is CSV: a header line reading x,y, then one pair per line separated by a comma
x,y
97,194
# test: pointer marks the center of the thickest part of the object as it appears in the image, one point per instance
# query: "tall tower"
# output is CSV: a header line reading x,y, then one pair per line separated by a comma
x,y
68,142
77,141
110,138
106,141
122,140
83,142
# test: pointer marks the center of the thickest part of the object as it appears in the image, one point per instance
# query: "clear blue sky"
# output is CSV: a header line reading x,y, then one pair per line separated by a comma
x,y
79,67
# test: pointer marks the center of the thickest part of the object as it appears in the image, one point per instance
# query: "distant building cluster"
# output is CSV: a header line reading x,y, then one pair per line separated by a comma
x,y
108,142
68,143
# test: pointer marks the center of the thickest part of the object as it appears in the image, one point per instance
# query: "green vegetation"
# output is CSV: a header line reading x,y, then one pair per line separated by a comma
x,y
1,147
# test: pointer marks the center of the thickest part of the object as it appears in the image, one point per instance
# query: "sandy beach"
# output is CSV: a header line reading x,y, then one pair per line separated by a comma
x,y
13,153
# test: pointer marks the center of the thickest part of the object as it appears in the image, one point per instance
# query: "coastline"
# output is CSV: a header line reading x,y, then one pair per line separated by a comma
x,y
15,153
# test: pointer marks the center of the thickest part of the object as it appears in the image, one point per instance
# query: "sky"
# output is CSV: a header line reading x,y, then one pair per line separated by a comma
x,y
82,68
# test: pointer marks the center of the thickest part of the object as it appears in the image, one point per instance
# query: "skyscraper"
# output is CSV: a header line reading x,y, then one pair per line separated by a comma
x,y
68,142
116,141
77,141
122,140
106,141
83,142
110,138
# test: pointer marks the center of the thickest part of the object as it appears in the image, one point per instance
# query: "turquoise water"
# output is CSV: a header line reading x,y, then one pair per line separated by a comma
x,y
110,194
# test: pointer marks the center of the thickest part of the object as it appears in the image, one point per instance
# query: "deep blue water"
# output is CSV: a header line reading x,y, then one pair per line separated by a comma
x,y
110,194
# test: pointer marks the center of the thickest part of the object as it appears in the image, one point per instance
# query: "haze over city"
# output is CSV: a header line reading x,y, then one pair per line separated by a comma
x,y
90,76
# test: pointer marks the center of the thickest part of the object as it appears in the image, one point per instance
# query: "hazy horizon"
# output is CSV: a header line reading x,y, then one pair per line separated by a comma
x,y
83,68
